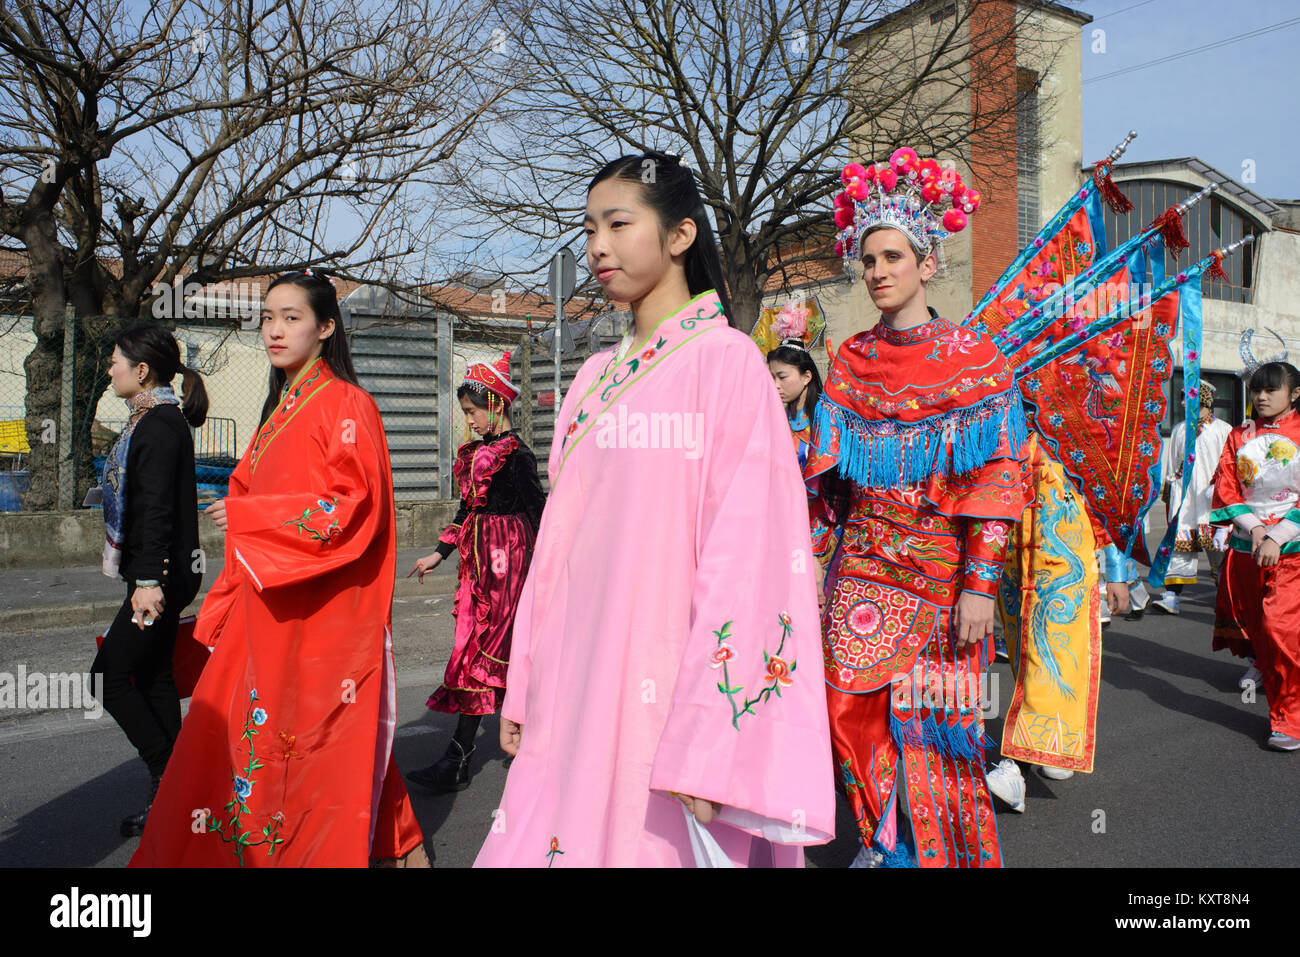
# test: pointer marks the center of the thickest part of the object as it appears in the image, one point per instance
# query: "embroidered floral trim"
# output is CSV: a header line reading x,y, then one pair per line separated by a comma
x,y
555,849
242,786
777,673
323,535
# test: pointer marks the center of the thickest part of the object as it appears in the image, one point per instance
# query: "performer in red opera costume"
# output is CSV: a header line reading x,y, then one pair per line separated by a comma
x,y
923,421
285,757
1257,493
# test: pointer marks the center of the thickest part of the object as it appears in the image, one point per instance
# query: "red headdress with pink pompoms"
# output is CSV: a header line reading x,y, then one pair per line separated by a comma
x,y
926,202
495,378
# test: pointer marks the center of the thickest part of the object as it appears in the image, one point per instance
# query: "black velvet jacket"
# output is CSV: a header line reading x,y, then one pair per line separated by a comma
x,y
160,531
515,489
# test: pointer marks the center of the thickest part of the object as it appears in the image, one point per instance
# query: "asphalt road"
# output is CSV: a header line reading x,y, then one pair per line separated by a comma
x,y
1182,778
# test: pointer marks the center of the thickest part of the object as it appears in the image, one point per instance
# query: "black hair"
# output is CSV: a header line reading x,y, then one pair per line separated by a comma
x,y
672,193
324,303
1275,375
479,399
156,347
802,360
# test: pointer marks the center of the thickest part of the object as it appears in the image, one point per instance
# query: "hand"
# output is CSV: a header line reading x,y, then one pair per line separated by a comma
x,y
1117,597
511,735
147,604
425,565
704,811
1267,553
972,619
217,512
1256,537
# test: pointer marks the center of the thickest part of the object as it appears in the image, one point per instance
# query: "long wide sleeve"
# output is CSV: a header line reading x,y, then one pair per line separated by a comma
x,y
1228,503
748,725
293,536
155,461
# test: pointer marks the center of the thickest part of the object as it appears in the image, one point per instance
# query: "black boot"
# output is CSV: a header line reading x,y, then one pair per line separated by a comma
x,y
449,773
133,826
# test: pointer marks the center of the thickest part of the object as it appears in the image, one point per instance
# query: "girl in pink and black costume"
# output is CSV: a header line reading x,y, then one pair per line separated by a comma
x,y
500,509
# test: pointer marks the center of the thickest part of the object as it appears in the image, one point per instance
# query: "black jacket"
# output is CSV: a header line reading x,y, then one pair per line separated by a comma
x,y
160,531
514,490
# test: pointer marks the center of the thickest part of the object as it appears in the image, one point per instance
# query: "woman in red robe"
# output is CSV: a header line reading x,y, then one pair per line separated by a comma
x,y
285,757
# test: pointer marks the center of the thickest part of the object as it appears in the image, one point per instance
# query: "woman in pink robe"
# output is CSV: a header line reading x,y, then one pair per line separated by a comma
x,y
666,653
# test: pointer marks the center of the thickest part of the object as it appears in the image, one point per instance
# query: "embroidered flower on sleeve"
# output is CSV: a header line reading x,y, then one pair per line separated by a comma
x,y
259,716
778,670
243,787
723,653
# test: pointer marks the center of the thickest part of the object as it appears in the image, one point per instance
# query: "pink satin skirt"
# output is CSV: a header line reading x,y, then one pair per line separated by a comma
x,y
494,555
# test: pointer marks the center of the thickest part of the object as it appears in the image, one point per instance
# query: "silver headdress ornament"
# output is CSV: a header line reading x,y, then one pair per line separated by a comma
x,y
1248,354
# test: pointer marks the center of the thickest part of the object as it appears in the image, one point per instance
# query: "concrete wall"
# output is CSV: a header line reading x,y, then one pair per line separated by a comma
x,y
73,539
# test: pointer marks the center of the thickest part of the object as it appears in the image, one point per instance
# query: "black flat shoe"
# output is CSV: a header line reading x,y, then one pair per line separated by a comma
x,y
1135,615
133,826
449,773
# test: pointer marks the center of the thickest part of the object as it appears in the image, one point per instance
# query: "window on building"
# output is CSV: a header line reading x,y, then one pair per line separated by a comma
x,y
1027,157
1211,224
1229,397
939,15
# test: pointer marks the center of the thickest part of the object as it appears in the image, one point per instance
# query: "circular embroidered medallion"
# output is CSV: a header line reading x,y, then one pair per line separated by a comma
x,y
864,619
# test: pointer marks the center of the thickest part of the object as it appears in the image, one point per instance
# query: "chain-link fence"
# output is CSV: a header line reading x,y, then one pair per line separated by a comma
x,y
59,417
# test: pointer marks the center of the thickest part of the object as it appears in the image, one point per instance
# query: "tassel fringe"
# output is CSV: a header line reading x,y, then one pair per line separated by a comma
x,y
936,733
1170,224
1110,193
887,454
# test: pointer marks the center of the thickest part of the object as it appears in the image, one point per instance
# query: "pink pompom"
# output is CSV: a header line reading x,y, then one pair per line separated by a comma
x,y
792,321
904,160
957,194
843,217
970,200
954,220
949,180
858,190
871,174
839,249
843,201
887,179
929,169
853,171
930,192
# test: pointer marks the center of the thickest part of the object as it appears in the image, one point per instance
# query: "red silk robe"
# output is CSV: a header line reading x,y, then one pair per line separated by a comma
x,y
285,757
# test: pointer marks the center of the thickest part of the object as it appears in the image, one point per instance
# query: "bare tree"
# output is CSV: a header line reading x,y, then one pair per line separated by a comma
x,y
217,139
764,101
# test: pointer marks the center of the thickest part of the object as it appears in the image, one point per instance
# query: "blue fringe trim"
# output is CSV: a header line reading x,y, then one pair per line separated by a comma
x,y
887,454
936,732
900,856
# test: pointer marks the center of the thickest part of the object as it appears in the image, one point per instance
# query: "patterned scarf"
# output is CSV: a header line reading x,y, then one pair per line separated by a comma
x,y
115,473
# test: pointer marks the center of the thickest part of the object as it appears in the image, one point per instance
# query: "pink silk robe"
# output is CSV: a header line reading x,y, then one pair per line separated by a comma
x,y
667,636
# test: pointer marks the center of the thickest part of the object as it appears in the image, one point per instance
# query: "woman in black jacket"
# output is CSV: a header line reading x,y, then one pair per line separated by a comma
x,y
152,525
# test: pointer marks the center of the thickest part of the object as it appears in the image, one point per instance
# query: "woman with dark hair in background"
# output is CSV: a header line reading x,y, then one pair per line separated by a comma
x,y
652,702
287,748
152,531
797,380
1257,496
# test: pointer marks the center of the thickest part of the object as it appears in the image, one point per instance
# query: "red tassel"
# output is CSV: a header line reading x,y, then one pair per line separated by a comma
x,y
1170,224
1110,193
1215,270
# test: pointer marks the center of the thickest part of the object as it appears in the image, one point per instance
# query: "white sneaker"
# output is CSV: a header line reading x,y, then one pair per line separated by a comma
x,y
1168,603
1283,742
1055,774
1253,676
1007,784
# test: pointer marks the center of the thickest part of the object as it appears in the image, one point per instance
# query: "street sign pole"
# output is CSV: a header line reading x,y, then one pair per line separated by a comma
x,y
563,277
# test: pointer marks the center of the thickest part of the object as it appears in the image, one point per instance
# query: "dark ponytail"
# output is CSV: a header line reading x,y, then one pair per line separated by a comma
x,y
324,304
802,360
156,347
671,192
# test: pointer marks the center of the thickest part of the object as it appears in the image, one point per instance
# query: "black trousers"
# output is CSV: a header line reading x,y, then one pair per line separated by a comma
x,y
148,710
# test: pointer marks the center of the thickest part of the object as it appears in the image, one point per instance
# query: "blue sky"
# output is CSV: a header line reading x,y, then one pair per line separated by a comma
x,y
1226,106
